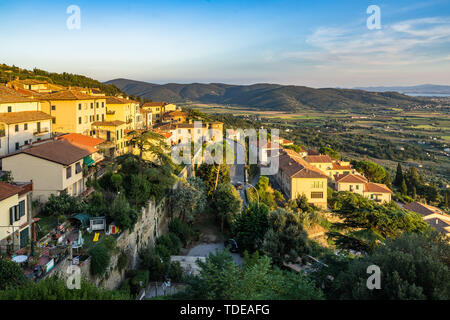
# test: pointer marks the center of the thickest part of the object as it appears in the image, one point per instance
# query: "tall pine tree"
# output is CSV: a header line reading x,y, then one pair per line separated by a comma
x,y
398,176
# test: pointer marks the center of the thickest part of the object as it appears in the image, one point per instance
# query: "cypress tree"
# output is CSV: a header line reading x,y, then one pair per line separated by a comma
x,y
403,188
398,175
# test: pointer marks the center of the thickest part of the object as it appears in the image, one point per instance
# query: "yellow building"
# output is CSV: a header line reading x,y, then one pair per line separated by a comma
x,y
157,109
113,132
330,166
296,177
73,111
357,183
54,166
125,110
15,215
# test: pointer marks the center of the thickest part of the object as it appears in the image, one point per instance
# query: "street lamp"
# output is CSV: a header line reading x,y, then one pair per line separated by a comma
x,y
257,194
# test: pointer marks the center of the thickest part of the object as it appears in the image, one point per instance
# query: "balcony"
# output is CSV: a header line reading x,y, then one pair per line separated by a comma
x,y
41,132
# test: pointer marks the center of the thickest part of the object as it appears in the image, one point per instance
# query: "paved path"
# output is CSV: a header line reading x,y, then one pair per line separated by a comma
x,y
205,249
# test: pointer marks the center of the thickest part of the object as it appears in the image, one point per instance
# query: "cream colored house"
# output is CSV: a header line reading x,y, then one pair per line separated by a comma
x,y
19,129
296,177
357,183
115,136
125,110
15,215
21,121
54,166
73,111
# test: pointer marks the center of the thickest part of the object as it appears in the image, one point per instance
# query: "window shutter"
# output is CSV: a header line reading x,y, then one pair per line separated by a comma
x,y
16,212
11,215
22,208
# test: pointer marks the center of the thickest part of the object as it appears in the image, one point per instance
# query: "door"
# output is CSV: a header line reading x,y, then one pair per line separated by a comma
x,y
24,237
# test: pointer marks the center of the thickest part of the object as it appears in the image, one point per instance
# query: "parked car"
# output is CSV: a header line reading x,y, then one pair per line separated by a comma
x,y
232,245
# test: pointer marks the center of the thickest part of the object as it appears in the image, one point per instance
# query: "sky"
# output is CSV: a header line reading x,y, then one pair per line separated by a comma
x,y
317,43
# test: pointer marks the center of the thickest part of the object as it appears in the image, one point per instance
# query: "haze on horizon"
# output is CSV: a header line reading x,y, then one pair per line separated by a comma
x,y
318,44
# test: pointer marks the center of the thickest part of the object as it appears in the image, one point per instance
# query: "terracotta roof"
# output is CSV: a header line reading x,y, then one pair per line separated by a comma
x,y
24,116
422,208
118,100
376,187
29,81
312,152
286,142
153,104
11,95
114,123
175,113
338,166
351,178
68,95
7,190
59,151
81,140
295,167
318,159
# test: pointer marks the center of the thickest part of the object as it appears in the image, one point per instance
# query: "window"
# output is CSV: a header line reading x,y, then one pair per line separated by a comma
x,y
68,172
17,127
25,142
9,109
17,146
78,168
97,105
317,184
103,104
25,126
53,107
92,105
357,187
79,120
98,117
103,117
316,195
54,120
79,106
22,208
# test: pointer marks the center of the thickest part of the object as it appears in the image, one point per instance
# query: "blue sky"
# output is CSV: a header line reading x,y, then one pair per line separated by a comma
x,y
303,42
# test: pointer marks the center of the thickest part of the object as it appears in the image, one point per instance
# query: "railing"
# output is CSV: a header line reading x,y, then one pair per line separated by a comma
x,y
41,132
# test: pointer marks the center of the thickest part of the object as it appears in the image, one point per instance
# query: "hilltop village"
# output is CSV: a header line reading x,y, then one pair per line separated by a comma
x,y
84,172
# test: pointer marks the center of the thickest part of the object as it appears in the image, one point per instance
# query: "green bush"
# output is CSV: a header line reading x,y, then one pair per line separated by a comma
x,y
139,281
175,272
100,259
182,230
168,245
150,260
122,261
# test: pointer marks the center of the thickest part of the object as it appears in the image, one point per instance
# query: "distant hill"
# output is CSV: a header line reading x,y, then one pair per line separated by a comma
x,y
8,73
268,96
424,89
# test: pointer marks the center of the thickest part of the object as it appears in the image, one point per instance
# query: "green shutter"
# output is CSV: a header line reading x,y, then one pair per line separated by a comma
x,y
22,208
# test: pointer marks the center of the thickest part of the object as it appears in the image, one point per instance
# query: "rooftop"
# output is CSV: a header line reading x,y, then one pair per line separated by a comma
x,y
9,189
81,140
318,159
351,178
59,151
24,116
423,209
376,187
114,123
68,95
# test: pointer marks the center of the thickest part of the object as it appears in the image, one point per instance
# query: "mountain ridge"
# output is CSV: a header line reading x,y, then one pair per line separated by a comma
x,y
267,96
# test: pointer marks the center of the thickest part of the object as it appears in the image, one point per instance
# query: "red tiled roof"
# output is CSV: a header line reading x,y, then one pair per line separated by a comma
x,y
81,140
118,100
296,167
350,178
12,96
59,151
23,116
422,208
338,166
7,190
319,159
153,104
376,187
69,95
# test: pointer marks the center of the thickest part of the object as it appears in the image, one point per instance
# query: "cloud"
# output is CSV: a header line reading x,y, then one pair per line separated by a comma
x,y
409,42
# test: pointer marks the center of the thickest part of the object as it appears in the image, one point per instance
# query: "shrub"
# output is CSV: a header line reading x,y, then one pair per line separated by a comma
x,y
182,230
150,260
175,272
100,259
122,261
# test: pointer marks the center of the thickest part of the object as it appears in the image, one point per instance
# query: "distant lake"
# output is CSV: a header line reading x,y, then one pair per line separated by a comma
x,y
428,94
